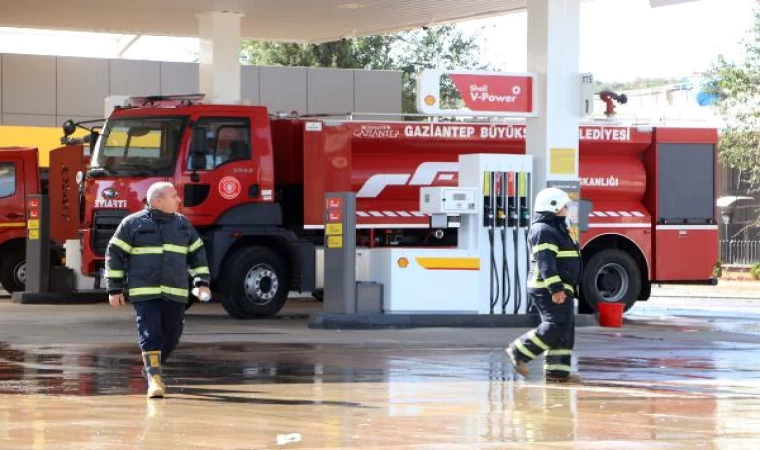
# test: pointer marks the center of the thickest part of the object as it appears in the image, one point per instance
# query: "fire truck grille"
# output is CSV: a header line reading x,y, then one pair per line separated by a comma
x,y
104,226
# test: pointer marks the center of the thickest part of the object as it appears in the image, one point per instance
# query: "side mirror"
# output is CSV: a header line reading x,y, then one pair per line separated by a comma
x,y
197,161
69,127
198,143
584,211
93,141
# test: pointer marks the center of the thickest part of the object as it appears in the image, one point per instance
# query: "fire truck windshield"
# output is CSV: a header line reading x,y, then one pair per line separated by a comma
x,y
138,146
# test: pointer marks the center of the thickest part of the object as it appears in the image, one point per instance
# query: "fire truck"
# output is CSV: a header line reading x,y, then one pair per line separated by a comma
x,y
253,184
21,175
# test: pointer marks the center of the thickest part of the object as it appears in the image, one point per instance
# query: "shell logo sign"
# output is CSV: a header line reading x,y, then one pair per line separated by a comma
x,y
479,93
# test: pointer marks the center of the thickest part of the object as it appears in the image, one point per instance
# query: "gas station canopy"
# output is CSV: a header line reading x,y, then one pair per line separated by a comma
x,y
273,20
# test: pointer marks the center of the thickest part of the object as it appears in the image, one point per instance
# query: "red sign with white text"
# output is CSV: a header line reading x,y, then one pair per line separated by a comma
x,y
334,209
495,93
334,203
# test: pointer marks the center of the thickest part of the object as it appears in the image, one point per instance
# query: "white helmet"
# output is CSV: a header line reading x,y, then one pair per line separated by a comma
x,y
551,200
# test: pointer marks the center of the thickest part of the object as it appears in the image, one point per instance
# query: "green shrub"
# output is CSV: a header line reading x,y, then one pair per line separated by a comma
x,y
718,269
754,272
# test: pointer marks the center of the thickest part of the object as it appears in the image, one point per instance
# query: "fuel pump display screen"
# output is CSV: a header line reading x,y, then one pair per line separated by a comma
x,y
447,200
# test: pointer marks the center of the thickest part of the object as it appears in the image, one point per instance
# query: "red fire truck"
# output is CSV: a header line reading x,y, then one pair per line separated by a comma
x,y
22,175
253,184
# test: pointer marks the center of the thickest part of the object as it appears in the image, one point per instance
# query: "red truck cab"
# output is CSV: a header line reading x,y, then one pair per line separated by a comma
x,y
220,159
19,177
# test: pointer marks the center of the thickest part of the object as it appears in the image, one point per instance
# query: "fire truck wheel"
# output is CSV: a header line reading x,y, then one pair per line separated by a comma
x,y
611,276
13,272
255,283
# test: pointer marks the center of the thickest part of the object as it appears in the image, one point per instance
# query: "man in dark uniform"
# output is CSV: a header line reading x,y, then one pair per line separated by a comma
x,y
552,285
149,258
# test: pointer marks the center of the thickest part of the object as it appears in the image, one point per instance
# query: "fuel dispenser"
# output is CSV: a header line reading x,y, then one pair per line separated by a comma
x,y
500,232
486,273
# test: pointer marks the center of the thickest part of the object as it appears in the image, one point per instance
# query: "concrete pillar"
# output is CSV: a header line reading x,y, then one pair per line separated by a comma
x,y
220,56
553,54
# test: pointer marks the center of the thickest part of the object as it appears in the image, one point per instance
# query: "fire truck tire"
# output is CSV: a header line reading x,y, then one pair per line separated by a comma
x,y
255,283
611,276
13,271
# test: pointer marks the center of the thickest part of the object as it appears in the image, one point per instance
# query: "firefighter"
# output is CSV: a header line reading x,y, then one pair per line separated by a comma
x,y
552,284
149,259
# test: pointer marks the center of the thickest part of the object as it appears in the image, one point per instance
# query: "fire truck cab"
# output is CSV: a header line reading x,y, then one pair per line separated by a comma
x,y
19,176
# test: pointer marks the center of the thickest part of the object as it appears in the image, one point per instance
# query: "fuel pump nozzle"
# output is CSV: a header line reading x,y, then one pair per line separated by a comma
x,y
489,215
505,275
515,242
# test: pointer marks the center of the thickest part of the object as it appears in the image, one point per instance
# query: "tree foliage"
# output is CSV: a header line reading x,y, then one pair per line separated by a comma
x,y
444,47
365,53
737,87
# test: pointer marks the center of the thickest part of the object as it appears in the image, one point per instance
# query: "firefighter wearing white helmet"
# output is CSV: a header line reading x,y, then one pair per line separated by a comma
x,y
552,283
551,200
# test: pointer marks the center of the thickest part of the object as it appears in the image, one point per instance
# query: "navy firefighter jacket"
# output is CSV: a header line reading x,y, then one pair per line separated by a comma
x,y
155,254
555,257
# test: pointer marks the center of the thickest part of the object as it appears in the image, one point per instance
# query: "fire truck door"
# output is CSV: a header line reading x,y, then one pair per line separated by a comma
x,y
220,170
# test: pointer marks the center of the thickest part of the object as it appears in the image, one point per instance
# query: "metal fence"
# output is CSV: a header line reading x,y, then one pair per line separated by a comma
x,y
740,252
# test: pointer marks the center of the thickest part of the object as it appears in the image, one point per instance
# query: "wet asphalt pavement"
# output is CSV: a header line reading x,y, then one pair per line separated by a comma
x,y
677,375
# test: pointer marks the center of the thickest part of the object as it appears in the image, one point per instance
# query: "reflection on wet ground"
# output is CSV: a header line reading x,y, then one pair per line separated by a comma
x,y
656,383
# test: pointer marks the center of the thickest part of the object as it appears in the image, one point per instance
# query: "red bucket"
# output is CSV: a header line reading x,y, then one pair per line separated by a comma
x,y
611,314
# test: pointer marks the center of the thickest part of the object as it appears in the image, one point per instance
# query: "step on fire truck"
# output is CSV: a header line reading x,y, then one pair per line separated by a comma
x,y
253,184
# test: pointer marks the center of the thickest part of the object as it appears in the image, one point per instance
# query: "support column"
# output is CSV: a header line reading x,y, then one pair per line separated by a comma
x,y
553,54
220,56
